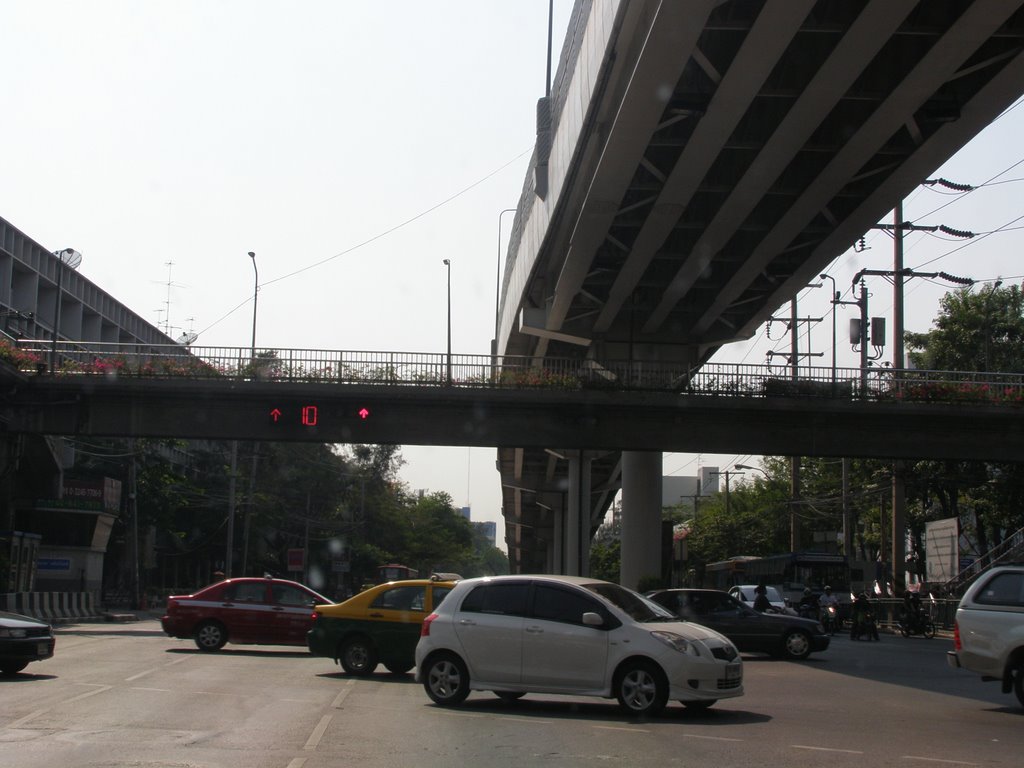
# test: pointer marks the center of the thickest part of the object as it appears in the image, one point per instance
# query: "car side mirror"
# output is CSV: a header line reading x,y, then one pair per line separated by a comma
x,y
592,619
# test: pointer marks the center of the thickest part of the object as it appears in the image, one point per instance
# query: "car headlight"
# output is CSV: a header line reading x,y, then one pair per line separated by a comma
x,y
676,642
820,629
5,632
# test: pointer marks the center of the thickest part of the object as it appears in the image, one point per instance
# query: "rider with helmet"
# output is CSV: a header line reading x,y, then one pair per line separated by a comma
x,y
829,617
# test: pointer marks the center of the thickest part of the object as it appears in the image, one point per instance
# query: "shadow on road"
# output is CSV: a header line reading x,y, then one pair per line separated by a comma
x,y
601,710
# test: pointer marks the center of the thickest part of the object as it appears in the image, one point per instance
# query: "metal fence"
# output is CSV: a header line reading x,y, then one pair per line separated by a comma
x,y
68,358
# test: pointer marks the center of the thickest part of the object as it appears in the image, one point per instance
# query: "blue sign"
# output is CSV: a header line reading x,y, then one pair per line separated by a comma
x,y
53,564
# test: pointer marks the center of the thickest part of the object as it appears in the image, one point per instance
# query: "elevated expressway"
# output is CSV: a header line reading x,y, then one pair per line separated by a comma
x,y
697,163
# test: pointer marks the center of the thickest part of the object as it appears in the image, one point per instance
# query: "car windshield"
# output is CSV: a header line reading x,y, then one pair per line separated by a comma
x,y
635,605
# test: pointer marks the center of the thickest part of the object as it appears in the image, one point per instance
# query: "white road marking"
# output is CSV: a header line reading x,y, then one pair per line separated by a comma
x,y
297,762
618,728
141,674
936,760
157,690
26,718
318,732
827,749
336,704
708,738
79,697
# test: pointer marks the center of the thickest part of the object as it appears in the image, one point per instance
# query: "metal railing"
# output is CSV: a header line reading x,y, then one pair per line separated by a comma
x,y
69,358
1010,548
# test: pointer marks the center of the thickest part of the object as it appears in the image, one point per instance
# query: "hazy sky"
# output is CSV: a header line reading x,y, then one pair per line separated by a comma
x,y
352,146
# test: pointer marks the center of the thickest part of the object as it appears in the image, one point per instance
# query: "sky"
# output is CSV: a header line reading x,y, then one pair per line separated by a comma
x,y
353,146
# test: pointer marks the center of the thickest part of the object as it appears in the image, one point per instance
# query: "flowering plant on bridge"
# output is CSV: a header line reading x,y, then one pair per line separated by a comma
x,y
21,359
955,392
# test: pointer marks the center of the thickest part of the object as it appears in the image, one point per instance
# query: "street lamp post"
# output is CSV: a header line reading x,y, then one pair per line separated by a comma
x,y
65,257
448,264
255,297
835,298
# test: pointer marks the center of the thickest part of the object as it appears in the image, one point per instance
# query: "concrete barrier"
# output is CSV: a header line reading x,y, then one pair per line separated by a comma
x,y
51,605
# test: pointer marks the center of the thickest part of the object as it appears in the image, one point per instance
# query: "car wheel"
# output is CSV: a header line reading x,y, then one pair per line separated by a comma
x,y
358,656
641,688
446,679
904,630
699,706
397,669
211,636
796,645
929,630
12,667
510,696
1018,683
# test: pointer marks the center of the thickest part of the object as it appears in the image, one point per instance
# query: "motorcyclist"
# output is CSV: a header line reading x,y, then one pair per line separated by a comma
x,y
912,610
808,607
863,619
826,601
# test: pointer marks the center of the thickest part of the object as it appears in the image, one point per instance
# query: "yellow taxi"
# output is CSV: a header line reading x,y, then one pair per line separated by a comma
x,y
380,625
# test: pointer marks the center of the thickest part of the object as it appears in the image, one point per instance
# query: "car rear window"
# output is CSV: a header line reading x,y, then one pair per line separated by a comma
x,y
401,599
1003,589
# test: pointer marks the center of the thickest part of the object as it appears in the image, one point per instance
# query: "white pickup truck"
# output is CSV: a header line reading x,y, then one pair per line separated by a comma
x,y
989,633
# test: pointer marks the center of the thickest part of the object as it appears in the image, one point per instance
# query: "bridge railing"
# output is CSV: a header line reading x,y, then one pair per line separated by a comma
x,y
71,358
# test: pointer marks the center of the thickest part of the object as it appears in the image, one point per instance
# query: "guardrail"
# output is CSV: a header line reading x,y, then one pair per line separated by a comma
x,y
69,358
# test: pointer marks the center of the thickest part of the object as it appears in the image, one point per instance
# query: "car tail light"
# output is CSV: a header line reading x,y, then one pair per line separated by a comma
x,y
425,629
957,645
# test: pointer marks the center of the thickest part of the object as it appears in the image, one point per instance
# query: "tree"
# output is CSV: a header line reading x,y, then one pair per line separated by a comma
x,y
975,331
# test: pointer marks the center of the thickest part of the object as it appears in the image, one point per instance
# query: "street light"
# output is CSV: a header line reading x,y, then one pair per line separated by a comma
x,y
835,298
756,469
255,295
65,257
448,264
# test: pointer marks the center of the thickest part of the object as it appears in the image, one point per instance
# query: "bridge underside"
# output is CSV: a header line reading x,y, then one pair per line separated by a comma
x,y
731,153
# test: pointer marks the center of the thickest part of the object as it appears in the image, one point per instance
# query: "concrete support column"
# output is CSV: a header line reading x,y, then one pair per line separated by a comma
x,y
577,517
556,548
641,517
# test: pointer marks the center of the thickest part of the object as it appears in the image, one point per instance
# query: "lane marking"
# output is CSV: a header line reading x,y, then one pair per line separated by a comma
x,y
342,694
708,738
87,694
936,760
827,749
79,697
158,690
297,762
26,718
133,678
318,732
620,728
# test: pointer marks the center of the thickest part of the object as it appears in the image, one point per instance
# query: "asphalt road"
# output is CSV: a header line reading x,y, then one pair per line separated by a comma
x,y
120,695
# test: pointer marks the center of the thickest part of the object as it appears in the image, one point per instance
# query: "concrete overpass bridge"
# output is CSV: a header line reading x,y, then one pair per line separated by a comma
x,y
696,164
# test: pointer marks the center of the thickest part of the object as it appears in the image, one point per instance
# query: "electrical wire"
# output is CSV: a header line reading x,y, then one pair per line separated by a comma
x,y
376,237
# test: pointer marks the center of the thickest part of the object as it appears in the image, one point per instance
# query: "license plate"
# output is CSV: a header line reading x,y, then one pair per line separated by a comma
x,y
43,649
733,672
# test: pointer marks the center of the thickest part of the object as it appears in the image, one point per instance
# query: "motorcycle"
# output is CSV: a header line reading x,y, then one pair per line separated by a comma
x,y
830,619
915,624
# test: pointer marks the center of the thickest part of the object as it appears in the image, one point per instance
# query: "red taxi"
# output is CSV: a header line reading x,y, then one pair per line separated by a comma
x,y
254,611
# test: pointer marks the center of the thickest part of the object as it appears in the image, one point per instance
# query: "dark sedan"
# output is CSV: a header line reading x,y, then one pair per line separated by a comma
x,y
779,634
23,639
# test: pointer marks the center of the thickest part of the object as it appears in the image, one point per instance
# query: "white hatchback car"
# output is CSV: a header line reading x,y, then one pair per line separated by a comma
x,y
571,635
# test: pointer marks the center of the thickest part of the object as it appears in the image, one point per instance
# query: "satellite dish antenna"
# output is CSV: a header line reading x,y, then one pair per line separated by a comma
x,y
187,338
70,258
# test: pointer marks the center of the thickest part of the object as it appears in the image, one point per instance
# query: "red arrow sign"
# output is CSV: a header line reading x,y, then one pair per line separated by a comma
x,y
275,415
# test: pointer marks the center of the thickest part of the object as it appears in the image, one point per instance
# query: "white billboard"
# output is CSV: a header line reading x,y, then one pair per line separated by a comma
x,y
941,550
